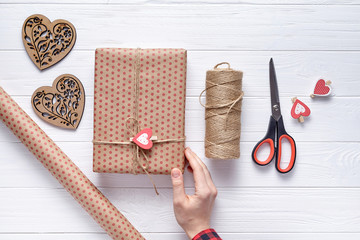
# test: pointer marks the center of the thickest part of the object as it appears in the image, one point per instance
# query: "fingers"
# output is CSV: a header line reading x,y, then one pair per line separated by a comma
x,y
177,179
205,170
207,173
199,176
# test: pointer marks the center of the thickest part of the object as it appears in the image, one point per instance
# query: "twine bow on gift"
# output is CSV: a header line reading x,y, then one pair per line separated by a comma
x,y
136,129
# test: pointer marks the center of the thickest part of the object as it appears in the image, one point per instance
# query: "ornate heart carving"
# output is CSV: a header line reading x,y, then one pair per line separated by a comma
x,y
142,139
62,104
47,42
299,109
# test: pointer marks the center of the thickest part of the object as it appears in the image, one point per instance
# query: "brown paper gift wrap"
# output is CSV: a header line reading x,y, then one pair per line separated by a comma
x,y
65,171
147,85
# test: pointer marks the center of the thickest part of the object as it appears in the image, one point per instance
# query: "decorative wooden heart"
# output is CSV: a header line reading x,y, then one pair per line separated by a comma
x,y
142,139
47,42
62,104
299,109
322,88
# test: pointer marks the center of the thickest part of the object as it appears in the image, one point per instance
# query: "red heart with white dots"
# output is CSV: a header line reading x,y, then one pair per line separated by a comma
x,y
299,109
142,139
321,88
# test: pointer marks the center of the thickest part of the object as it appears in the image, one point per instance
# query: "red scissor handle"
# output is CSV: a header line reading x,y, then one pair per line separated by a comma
x,y
270,139
292,157
278,128
272,151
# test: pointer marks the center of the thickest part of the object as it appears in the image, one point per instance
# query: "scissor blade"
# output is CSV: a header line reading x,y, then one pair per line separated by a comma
x,y
275,101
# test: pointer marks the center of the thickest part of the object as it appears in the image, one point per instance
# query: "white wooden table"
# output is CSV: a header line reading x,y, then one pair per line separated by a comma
x,y
308,39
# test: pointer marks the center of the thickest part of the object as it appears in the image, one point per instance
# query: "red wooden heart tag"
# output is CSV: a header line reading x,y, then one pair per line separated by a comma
x,y
322,88
299,109
142,139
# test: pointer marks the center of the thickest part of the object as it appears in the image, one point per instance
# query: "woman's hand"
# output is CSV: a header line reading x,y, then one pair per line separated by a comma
x,y
193,212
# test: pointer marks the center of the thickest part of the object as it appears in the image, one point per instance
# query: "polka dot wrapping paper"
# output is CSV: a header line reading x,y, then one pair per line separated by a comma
x,y
65,171
143,84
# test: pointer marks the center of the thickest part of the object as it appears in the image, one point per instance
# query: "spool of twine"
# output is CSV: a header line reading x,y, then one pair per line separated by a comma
x,y
223,112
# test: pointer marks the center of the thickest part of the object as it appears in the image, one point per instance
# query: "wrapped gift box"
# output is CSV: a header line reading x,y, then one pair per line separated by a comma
x,y
137,89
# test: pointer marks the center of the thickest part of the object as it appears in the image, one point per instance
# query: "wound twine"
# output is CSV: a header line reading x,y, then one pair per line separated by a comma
x,y
137,128
223,112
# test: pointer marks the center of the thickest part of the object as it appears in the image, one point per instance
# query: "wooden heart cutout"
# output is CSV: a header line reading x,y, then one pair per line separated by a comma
x,y
47,42
299,109
142,139
322,88
62,104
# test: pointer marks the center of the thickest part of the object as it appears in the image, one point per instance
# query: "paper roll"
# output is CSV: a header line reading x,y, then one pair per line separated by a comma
x,y
65,171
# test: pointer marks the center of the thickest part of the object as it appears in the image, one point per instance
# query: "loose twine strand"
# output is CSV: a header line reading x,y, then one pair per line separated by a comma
x,y
137,127
222,112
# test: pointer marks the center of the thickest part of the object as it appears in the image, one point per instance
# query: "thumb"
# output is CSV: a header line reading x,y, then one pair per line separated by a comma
x,y
178,185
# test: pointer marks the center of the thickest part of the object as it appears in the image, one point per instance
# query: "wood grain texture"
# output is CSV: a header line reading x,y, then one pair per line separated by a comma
x,y
297,71
243,210
215,27
326,113
127,2
181,236
318,165
308,39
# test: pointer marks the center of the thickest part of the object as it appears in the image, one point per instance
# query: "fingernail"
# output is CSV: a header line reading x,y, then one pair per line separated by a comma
x,y
175,173
189,149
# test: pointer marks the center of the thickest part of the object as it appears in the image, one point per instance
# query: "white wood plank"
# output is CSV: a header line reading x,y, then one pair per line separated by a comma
x,y
230,27
242,210
318,200
317,165
182,236
64,236
273,2
297,71
326,114
122,2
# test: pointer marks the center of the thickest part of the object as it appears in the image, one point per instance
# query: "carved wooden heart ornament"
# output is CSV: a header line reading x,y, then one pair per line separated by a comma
x,y
62,104
47,42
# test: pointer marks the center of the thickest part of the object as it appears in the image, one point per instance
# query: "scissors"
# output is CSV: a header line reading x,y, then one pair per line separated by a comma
x,y
276,130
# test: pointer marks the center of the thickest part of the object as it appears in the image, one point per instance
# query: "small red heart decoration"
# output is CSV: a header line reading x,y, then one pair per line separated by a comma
x,y
299,109
142,139
321,88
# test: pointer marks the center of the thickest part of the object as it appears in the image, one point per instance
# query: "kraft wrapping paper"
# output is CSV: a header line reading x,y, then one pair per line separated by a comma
x,y
146,84
65,171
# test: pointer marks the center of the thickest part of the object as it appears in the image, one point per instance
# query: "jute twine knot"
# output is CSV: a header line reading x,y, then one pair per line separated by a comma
x,y
223,112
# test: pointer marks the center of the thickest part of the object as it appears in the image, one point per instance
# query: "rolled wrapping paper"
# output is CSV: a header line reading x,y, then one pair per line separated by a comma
x,y
65,171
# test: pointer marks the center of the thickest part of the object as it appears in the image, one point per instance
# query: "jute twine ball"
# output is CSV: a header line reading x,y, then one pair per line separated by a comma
x,y
223,112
